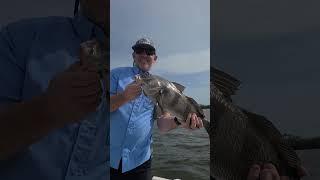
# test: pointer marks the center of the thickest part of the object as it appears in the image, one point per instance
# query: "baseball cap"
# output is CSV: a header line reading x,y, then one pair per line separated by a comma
x,y
144,43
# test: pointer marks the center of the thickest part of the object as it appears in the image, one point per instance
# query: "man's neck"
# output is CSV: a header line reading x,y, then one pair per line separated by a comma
x,y
139,69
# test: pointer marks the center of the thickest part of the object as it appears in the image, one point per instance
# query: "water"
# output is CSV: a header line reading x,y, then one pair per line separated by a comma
x,y
185,154
182,154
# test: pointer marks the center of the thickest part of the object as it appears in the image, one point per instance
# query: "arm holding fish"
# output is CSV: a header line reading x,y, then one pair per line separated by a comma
x,y
130,93
268,171
192,122
70,96
265,172
166,122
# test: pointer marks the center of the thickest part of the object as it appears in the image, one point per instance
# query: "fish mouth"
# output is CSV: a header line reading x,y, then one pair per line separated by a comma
x,y
144,75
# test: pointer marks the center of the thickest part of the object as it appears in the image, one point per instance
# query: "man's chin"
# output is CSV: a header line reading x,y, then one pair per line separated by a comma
x,y
145,68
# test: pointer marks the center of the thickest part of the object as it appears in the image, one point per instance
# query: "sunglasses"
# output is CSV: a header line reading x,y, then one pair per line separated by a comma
x,y
148,51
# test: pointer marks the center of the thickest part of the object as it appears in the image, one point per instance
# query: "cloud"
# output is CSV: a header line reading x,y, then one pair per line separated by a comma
x,y
179,63
120,62
184,63
197,84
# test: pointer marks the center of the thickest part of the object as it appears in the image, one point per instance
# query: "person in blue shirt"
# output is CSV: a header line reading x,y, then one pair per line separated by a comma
x,y
131,117
54,113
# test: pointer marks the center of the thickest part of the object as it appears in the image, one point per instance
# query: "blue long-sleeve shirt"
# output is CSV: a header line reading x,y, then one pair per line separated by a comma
x,y
130,125
32,52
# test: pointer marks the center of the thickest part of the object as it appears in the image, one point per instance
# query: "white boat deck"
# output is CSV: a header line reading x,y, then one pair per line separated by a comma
x,y
161,178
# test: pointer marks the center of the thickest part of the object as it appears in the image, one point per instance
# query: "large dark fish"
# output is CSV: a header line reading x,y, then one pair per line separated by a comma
x,y
239,138
168,97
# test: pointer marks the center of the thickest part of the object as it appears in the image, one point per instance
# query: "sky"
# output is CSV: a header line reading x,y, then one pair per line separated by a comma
x,y
270,45
180,30
273,48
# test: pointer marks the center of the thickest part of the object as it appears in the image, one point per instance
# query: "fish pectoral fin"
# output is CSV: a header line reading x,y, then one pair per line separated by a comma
x,y
180,87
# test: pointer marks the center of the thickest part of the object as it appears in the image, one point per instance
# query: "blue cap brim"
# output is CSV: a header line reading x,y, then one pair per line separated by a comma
x,y
143,46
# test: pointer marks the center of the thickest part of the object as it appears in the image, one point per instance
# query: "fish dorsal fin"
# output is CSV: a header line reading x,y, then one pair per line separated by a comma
x,y
179,86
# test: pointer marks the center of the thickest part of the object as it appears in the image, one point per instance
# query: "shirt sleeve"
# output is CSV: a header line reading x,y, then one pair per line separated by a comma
x,y
114,77
11,69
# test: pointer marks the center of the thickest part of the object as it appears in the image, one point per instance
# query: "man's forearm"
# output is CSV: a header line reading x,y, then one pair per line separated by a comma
x,y
116,101
22,124
166,123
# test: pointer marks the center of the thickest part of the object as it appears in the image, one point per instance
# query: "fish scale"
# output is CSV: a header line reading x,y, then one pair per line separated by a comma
x,y
240,138
168,97
236,141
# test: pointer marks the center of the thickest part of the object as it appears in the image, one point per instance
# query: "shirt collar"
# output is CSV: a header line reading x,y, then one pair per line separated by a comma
x,y
86,29
137,70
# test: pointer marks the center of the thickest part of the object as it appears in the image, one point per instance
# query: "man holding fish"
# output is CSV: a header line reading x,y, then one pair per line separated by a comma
x,y
53,108
133,114
132,117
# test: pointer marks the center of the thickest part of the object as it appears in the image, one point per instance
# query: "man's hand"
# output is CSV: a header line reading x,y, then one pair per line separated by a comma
x,y
132,91
192,122
74,93
266,172
70,96
166,122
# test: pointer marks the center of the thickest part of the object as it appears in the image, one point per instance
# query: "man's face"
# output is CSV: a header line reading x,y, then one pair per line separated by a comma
x,y
97,10
144,58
